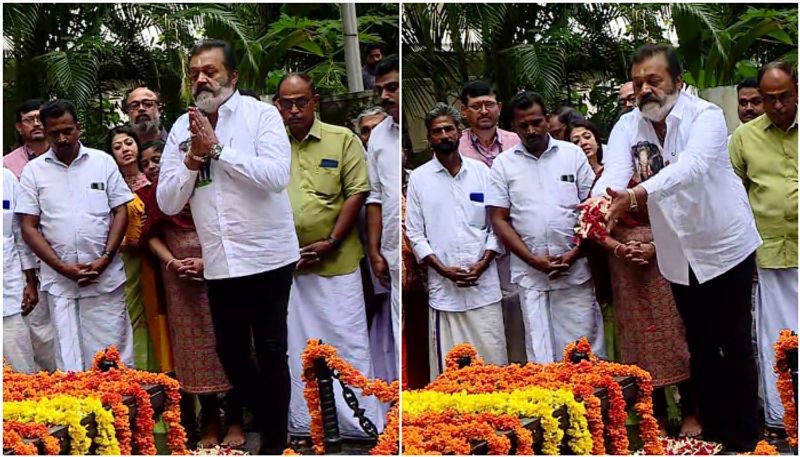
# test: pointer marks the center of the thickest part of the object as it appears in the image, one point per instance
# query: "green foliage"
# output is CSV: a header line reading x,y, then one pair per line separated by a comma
x,y
89,52
557,49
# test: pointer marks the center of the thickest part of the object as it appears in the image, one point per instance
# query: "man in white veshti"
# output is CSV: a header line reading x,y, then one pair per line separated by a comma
x,y
74,190
704,233
449,230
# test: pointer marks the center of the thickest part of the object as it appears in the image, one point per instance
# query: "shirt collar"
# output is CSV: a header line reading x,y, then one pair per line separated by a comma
x,y
476,141
439,166
313,132
231,103
50,154
770,124
552,145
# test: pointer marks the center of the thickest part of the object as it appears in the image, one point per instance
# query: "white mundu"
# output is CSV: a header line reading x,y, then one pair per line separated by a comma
x,y
446,217
70,200
542,195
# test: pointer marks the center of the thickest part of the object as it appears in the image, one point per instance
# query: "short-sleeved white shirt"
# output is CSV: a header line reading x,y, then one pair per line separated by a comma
x,y
542,195
446,216
74,207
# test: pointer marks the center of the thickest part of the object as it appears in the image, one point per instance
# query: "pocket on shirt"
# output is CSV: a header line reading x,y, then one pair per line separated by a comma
x,y
327,182
476,214
8,219
97,202
567,193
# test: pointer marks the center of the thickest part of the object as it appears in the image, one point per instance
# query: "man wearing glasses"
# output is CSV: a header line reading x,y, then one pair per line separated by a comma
x,y
328,185
34,143
144,112
483,140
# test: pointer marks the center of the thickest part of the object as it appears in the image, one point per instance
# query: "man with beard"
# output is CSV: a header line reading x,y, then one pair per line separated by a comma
x,y
449,230
764,154
31,134
144,113
483,140
229,158
34,144
705,236
533,197
383,203
373,54
73,216
328,185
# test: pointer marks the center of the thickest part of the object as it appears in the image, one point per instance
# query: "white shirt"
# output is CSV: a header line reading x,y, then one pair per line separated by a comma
x,y
698,207
243,216
74,207
383,162
446,216
17,256
543,195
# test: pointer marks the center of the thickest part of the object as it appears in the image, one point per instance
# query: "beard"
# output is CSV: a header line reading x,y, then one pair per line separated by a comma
x,y
656,110
446,147
210,102
148,125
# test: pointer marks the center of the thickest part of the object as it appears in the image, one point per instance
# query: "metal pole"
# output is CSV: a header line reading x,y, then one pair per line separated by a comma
x,y
352,53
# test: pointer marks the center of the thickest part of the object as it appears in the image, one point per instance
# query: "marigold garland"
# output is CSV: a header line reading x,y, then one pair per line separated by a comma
x,y
109,386
14,432
68,411
387,393
787,340
580,378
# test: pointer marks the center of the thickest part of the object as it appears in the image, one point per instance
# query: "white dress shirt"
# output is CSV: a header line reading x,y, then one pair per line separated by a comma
x,y
74,207
243,216
543,194
698,207
17,256
383,162
446,216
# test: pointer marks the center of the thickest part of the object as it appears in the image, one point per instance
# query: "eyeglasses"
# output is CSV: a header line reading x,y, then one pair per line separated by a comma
x,y
147,104
784,97
391,87
31,120
287,104
478,106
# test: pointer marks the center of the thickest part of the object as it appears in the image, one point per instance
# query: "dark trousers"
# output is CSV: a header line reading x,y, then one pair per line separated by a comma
x,y
718,323
256,305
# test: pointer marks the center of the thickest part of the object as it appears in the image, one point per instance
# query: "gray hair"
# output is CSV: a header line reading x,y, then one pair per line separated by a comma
x,y
442,109
372,111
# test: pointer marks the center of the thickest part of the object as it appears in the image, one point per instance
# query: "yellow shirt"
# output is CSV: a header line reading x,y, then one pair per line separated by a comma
x,y
765,157
328,167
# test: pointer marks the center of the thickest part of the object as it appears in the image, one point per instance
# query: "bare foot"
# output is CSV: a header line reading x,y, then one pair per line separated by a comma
x,y
691,427
235,436
210,436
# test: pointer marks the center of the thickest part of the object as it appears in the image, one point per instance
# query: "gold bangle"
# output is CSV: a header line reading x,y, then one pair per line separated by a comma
x,y
615,250
634,205
170,263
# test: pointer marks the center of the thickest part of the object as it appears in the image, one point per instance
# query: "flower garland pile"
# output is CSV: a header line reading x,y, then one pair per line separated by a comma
x,y
592,219
451,432
533,403
67,411
786,341
108,388
687,446
581,379
387,393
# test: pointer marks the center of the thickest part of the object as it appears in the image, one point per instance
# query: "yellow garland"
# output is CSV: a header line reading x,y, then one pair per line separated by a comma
x,y
532,402
69,411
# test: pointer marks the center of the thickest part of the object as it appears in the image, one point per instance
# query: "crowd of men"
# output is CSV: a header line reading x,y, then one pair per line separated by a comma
x,y
274,195
721,208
